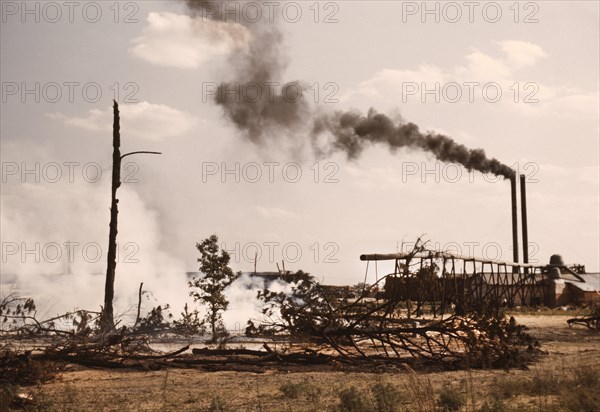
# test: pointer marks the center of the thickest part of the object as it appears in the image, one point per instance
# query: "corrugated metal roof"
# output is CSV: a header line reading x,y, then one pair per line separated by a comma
x,y
567,276
591,282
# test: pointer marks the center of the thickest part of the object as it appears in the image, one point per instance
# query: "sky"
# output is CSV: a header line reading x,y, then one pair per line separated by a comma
x,y
517,79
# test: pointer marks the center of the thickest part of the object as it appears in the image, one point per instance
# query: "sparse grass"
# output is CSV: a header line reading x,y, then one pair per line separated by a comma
x,y
543,383
558,383
217,405
574,389
355,400
70,402
164,388
295,390
379,397
386,397
580,401
450,399
495,405
505,388
566,389
421,390
584,392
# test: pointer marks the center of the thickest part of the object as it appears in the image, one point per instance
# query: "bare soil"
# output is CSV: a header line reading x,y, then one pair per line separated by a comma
x,y
567,351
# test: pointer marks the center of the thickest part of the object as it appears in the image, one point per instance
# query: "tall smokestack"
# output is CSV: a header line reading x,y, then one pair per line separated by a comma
x,y
515,231
524,220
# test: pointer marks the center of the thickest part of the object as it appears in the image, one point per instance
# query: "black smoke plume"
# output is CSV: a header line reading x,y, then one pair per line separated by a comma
x,y
266,112
254,100
353,131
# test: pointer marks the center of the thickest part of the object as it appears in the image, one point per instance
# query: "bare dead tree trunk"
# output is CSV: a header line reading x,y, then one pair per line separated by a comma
x,y
109,288
107,319
137,318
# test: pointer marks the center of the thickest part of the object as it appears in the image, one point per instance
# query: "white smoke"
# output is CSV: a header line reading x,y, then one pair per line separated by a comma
x,y
244,305
54,243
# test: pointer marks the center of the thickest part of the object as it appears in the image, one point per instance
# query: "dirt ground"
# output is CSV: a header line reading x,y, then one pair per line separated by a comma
x,y
572,362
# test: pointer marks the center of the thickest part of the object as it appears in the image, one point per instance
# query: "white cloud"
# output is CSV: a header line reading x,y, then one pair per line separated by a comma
x,y
379,85
483,67
521,53
478,67
574,104
479,71
142,120
181,41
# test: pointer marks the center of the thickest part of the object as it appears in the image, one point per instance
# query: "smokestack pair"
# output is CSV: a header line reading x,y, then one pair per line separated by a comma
x,y
515,230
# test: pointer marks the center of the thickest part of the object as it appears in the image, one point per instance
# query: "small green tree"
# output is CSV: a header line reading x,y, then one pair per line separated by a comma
x,y
209,288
